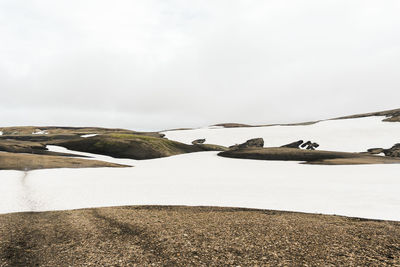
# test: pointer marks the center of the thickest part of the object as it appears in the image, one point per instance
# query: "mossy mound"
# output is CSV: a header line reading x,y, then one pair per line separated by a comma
x,y
133,146
14,132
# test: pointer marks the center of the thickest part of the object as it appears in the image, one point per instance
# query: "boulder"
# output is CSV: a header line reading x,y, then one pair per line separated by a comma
x,y
315,145
306,144
198,141
310,145
296,144
255,142
394,151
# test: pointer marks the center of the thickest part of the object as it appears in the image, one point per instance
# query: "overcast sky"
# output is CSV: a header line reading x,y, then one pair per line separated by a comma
x,y
152,65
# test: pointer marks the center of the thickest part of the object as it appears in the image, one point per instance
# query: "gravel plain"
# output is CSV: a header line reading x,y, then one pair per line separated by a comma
x,y
194,236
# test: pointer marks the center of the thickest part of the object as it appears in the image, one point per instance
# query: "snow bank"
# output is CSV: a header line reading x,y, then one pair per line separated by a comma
x,y
352,135
91,156
369,191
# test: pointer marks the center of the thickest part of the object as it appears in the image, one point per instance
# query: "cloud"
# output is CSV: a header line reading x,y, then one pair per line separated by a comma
x,y
190,63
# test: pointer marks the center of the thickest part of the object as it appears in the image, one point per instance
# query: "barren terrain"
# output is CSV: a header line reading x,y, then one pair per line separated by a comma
x,y
309,156
194,236
26,162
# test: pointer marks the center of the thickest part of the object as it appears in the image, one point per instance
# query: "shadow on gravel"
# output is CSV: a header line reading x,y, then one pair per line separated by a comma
x,y
138,234
22,245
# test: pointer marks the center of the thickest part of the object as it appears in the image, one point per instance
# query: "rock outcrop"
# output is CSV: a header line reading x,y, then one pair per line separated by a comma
x,y
310,145
251,143
394,151
198,141
296,144
255,142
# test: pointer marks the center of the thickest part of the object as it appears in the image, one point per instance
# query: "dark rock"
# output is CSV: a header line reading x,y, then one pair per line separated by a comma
x,y
296,144
234,147
315,145
198,141
306,144
310,145
394,151
255,142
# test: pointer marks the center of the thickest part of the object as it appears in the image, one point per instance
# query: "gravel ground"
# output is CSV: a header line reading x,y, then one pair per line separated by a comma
x,y
194,236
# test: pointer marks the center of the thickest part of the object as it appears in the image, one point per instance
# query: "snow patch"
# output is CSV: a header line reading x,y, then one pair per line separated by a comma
x,y
40,132
350,135
85,155
88,135
369,191
213,127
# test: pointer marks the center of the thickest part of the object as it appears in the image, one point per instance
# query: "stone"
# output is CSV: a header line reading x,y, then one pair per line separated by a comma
x,y
315,145
394,151
310,145
296,144
198,141
306,144
255,142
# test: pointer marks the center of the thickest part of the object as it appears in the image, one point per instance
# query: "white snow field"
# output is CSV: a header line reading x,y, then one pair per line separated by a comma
x,y
351,135
368,191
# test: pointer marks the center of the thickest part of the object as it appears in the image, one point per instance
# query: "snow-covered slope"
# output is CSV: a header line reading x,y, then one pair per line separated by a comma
x,y
370,191
352,135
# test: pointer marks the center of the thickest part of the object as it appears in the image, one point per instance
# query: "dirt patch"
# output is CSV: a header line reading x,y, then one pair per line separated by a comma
x,y
233,125
19,146
194,236
357,160
308,156
23,162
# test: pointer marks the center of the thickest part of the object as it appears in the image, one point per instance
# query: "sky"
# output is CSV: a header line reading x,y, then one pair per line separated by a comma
x,y
154,65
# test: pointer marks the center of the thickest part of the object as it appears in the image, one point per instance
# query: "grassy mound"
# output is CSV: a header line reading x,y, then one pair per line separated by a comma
x,y
12,132
133,146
